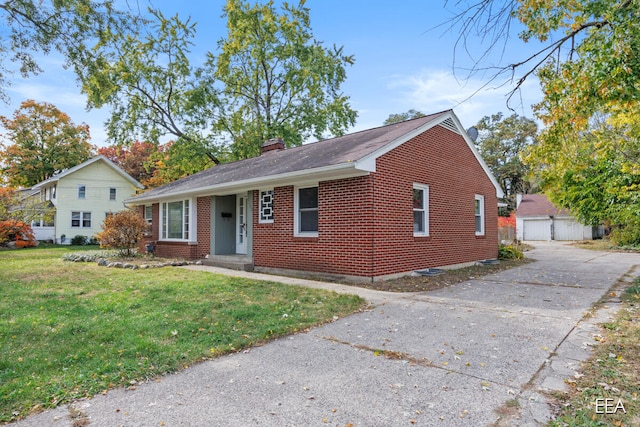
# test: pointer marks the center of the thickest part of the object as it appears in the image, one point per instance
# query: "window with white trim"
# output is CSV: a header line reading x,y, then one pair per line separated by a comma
x,y
82,191
80,219
420,210
148,214
112,193
266,207
175,220
479,214
305,202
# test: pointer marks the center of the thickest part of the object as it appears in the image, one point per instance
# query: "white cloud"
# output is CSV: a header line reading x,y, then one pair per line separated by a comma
x,y
433,90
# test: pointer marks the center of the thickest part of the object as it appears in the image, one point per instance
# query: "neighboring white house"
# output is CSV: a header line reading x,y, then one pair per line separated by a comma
x,y
82,197
538,219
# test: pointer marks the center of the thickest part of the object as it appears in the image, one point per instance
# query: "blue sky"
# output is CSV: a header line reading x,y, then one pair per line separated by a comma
x,y
402,62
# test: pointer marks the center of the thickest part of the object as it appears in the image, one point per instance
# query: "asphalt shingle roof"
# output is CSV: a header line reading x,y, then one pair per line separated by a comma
x,y
329,152
537,205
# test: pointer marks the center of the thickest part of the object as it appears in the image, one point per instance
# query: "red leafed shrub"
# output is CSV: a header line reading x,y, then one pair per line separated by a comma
x,y
17,231
507,221
122,231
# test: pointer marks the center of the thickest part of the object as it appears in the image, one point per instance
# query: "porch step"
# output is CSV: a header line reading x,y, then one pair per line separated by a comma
x,y
232,262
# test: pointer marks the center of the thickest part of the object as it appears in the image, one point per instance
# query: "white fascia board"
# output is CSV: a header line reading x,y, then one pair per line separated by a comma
x,y
474,150
369,161
303,177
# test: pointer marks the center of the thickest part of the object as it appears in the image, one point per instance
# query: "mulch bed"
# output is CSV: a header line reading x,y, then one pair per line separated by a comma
x,y
450,277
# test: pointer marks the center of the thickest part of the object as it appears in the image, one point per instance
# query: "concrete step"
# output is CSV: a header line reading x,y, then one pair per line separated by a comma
x,y
232,262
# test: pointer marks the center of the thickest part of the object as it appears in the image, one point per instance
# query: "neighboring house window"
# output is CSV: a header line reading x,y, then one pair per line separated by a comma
x,y
81,219
112,194
306,215
148,214
82,191
53,192
420,210
175,220
479,207
266,207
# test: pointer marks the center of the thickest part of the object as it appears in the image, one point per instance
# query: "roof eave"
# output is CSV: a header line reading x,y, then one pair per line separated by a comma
x,y
298,178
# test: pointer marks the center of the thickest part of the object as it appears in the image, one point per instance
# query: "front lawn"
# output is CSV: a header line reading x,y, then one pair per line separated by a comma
x,y
70,330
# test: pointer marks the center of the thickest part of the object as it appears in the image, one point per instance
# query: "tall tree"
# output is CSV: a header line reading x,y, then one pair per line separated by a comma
x,y
134,159
40,141
501,141
154,91
401,117
588,68
277,79
70,27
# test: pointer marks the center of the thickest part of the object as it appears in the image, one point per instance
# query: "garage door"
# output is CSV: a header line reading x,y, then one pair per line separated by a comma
x,y
536,229
568,229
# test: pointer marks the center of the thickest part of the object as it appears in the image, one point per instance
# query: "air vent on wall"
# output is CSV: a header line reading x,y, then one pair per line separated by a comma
x,y
449,124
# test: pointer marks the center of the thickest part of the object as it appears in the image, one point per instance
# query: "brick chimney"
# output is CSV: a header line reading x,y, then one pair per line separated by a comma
x,y
272,144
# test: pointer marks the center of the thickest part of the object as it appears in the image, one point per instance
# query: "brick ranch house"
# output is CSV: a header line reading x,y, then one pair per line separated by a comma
x,y
365,206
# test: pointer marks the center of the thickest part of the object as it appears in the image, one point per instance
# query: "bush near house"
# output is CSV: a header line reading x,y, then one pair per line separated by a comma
x,y
122,231
17,231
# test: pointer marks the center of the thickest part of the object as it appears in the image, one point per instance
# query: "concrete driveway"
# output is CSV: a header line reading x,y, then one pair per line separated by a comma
x,y
459,356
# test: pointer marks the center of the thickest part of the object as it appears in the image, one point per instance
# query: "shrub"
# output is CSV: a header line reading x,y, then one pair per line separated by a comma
x,y
509,252
122,231
79,240
17,231
626,235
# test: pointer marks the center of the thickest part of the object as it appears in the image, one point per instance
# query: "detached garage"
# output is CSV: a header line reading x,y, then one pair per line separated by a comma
x,y
538,219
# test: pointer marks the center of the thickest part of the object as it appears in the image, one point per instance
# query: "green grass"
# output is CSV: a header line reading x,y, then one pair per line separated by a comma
x,y
612,372
70,330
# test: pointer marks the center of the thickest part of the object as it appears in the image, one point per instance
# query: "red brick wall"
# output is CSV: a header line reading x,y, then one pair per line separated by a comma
x,y
366,224
344,242
442,160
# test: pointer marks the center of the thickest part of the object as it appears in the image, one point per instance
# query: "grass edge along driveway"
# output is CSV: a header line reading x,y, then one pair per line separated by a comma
x,y
72,330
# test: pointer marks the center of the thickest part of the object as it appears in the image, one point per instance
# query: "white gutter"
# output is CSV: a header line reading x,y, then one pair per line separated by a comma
x,y
302,177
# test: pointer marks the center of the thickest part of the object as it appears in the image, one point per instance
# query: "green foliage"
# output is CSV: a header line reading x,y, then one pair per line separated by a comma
x,y
588,152
278,81
509,252
627,235
122,231
401,117
154,91
39,142
72,27
77,329
79,240
501,141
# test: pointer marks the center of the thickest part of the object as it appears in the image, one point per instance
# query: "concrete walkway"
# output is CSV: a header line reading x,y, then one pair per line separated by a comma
x,y
458,356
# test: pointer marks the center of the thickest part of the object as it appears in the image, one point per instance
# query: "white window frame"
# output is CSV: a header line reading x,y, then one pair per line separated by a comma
x,y
480,199
261,217
189,230
148,214
296,212
82,192
82,219
113,191
425,210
